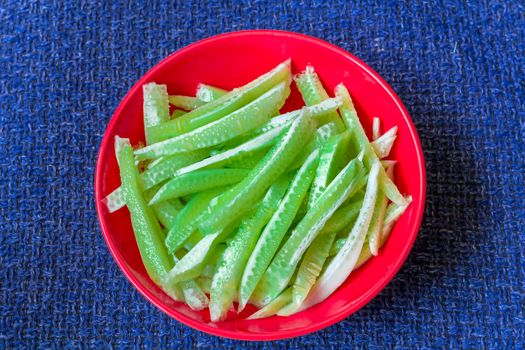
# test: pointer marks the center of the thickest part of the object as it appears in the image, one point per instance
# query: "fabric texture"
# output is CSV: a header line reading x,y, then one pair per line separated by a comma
x,y
457,66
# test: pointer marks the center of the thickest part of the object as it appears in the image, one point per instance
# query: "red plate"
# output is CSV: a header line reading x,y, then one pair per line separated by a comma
x,y
229,61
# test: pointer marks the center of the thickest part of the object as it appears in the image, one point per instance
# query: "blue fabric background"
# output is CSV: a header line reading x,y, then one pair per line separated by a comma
x,y
459,68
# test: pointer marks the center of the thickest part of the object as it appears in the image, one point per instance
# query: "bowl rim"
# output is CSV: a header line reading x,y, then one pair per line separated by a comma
x,y
277,335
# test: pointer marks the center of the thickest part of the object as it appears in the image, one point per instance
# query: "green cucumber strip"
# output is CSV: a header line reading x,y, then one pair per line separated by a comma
x,y
229,271
312,91
225,105
273,233
352,123
249,117
148,232
376,224
169,165
156,108
198,181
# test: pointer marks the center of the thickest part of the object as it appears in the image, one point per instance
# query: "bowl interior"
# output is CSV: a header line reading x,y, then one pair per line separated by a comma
x,y
229,61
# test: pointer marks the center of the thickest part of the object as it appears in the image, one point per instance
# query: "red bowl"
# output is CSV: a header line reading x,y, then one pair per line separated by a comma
x,y
231,60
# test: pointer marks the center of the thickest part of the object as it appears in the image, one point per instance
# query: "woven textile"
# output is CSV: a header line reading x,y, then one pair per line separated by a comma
x,y
459,69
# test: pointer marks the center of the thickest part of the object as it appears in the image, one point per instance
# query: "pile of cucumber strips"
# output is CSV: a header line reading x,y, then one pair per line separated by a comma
x,y
232,202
